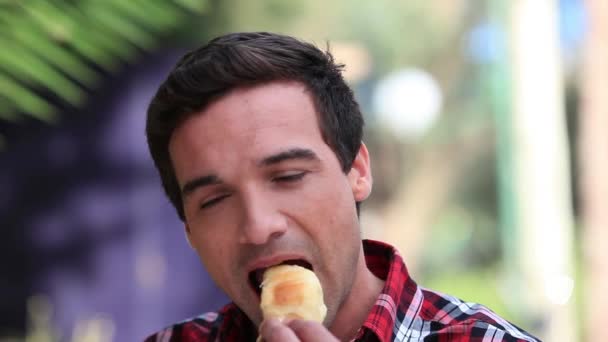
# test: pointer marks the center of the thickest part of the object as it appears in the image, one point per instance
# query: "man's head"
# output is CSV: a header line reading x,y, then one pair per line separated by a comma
x,y
258,141
242,60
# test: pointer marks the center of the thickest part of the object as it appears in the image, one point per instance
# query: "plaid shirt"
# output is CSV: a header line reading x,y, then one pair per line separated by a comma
x,y
403,311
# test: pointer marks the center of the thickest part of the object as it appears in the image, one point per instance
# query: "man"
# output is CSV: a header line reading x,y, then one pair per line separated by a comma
x,y
257,139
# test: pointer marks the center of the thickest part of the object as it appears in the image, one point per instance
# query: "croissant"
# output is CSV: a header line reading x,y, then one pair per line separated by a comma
x,y
291,291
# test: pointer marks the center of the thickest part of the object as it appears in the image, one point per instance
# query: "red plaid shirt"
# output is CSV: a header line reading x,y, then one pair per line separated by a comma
x,y
404,311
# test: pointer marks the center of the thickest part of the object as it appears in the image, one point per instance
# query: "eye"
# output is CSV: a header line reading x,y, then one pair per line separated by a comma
x,y
289,177
210,203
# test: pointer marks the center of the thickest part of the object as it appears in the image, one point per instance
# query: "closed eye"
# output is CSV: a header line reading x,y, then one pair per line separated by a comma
x,y
290,177
210,203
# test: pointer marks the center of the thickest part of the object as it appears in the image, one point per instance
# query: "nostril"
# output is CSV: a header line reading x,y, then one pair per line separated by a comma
x,y
277,234
259,234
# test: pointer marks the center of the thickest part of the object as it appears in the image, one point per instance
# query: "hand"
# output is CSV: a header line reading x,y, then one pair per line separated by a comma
x,y
272,330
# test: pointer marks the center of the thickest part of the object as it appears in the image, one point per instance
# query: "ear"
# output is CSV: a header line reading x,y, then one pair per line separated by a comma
x,y
360,175
188,235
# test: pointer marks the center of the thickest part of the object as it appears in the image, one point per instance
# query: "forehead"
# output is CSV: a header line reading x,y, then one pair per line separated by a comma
x,y
252,121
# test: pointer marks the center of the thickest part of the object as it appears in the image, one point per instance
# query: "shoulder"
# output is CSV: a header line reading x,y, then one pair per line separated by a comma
x,y
200,328
477,330
205,327
451,319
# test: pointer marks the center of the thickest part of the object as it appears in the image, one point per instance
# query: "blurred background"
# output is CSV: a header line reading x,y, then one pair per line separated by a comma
x,y
487,122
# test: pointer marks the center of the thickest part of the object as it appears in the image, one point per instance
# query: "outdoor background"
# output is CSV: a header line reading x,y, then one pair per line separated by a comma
x,y
487,122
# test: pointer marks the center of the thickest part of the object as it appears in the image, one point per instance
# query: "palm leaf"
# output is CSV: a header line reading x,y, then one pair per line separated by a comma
x,y
17,98
25,66
34,40
56,47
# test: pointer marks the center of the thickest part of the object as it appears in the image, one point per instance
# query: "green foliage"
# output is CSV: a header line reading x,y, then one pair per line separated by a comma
x,y
57,47
396,33
478,285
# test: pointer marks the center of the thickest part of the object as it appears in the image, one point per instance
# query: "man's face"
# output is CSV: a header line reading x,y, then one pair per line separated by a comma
x,y
260,187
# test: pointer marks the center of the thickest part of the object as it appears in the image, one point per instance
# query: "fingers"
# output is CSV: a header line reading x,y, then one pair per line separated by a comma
x,y
296,330
310,331
271,330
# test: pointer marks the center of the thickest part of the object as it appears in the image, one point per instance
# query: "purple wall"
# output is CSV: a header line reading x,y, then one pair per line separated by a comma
x,y
82,204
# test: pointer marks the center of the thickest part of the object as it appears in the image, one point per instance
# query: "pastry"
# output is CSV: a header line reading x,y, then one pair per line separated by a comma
x,y
291,291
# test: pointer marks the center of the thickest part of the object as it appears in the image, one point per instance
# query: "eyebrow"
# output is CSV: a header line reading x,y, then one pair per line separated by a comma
x,y
200,182
290,154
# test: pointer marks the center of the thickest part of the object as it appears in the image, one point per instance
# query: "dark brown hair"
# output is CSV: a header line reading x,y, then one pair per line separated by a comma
x,y
247,59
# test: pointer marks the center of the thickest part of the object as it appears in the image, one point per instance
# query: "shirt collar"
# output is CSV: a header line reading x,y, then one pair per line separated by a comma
x,y
386,263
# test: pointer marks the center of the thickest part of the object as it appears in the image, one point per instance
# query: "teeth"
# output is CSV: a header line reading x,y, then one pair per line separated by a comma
x,y
259,276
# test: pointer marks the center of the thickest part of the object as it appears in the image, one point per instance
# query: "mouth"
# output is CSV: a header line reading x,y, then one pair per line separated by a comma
x,y
257,275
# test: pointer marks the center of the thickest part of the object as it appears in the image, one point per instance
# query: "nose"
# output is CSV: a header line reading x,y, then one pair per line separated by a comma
x,y
262,220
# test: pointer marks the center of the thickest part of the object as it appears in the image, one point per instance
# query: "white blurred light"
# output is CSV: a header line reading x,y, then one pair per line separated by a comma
x,y
558,289
408,102
100,328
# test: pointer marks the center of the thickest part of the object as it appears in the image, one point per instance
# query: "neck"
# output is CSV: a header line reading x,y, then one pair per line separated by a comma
x,y
363,295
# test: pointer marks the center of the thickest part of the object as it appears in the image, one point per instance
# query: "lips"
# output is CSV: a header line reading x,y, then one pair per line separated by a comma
x,y
256,275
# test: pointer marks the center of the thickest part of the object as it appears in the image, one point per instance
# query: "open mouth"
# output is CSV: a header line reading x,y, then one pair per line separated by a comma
x,y
256,276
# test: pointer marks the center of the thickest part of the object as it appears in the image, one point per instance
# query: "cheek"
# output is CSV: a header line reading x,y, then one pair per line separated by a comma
x,y
214,251
331,190
329,209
